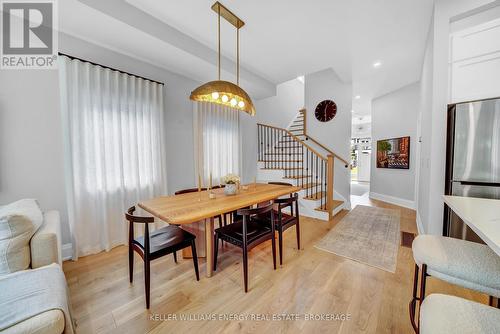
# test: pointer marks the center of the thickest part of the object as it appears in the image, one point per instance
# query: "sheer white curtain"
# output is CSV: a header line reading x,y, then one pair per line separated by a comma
x,y
113,129
217,141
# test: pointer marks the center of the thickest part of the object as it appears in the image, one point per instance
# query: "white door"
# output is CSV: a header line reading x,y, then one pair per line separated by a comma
x,y
364,161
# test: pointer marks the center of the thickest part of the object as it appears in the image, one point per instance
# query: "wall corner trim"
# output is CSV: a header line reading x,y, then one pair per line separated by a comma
x,y
393,200
420,225
67,252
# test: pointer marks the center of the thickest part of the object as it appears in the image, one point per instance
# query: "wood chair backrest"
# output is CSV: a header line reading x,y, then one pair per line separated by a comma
x,y
129,215
287,202
189,190
281,183
255,211
259,211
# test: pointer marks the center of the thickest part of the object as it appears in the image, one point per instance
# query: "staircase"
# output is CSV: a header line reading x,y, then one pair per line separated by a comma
x,y
293,155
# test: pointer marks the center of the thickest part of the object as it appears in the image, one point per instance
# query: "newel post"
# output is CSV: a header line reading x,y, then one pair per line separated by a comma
x,y
329,186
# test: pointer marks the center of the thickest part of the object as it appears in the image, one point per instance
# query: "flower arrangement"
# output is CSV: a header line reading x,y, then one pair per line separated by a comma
x,y
231,179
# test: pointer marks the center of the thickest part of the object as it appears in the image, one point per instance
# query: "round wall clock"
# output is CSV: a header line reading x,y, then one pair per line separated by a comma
x,y
325,110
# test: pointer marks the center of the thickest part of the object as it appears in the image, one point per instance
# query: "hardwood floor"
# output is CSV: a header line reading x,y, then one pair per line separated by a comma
x,y
310,282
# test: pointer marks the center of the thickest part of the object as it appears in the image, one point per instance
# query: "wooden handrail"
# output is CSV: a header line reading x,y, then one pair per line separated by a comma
x,y
328,150
296,139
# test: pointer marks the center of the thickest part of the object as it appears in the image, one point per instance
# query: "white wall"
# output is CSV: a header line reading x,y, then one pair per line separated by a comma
x,y
31,153
424,134
335,134
433,114
31,147
248,131
395,115
279,110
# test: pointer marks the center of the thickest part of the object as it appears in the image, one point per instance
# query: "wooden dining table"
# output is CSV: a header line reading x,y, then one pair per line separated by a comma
x,y
198,206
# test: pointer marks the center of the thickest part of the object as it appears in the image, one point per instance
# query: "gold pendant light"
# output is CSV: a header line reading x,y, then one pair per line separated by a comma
x,y
224,92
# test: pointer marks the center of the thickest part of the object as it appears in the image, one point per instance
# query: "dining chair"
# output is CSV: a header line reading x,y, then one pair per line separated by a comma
x,y
287,220
247,233
160,242
284,221
468,264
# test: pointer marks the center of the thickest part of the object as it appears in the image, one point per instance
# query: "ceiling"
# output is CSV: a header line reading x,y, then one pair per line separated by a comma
x,y
282,39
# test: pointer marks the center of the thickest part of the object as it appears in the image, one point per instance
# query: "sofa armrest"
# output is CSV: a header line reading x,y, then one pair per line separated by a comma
x,y
46,242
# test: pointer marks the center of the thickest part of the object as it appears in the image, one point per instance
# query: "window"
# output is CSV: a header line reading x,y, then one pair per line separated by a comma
x,y
113,128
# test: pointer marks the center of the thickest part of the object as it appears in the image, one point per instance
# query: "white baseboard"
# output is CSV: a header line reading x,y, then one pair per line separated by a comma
x,y
420,225
67,252
393,200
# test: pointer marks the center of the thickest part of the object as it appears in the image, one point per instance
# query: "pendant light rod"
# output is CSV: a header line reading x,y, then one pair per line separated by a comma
x,y
218,37
230,17
238,56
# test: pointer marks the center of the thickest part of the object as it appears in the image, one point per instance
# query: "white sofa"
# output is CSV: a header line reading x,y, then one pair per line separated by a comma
x,y
45,249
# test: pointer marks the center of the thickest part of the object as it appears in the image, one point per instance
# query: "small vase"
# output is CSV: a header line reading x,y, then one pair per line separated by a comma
x,y
230,189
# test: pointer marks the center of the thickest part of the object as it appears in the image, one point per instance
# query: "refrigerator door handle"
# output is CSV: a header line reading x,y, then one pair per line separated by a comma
x,y
473,183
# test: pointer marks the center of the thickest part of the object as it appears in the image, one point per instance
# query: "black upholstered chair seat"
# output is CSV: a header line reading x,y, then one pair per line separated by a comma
x,y
256,229
166,239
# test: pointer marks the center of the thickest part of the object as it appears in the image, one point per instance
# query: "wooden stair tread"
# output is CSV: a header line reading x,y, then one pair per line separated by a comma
x,y
310,185
282,168
296,177
281,160
316,196
336,204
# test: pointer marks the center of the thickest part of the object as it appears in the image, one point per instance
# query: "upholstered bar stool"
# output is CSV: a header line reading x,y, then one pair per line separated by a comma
x,y
443,314
468,264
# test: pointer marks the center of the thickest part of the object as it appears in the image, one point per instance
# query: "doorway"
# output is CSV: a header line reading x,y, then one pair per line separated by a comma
x,y
361,164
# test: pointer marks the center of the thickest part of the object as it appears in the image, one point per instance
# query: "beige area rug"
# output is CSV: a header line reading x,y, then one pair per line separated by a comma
x,y
368,235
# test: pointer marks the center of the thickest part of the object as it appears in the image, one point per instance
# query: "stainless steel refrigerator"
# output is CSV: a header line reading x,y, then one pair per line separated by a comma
x,y
473,158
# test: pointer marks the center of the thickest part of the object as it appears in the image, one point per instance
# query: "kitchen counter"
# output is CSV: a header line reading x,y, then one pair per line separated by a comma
x,y
481,215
